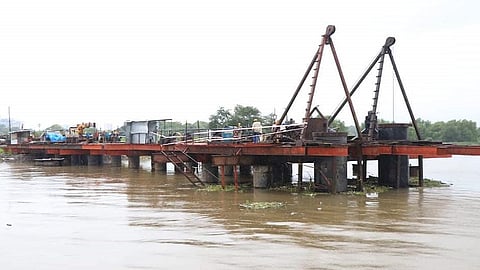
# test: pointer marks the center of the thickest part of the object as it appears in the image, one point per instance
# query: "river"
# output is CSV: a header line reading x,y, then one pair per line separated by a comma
x,y
119,218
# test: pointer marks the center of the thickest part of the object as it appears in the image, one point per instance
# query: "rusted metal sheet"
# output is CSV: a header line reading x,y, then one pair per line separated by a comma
x,y
68,152
414,150
230,152
428,151
160,158
232,160
274,151
371,150
53,151
467,150
340,151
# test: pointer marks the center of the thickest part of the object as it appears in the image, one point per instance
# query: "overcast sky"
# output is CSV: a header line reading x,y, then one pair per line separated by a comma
x,y
67,62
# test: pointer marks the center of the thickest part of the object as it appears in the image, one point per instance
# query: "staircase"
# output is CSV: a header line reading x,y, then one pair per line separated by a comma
x,y
177,158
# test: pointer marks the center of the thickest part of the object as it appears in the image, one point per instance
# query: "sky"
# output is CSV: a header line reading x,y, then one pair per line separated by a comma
x,y
105,61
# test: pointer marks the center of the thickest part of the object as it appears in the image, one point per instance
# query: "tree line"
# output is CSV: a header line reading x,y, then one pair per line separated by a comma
x,y
464,131
450,131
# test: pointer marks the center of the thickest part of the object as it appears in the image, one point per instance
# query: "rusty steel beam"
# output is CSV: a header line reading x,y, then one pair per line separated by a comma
x,y
68,152
232,160
341,151
299,87
274,151
407,150
347,93
464,150
160,158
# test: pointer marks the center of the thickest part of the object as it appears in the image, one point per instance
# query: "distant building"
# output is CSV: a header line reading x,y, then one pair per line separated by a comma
x,y
22,136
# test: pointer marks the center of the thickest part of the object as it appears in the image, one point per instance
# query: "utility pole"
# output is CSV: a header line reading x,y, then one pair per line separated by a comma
x,y
9,126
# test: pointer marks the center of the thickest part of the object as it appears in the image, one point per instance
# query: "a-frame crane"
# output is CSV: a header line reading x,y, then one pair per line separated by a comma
x,y
315,65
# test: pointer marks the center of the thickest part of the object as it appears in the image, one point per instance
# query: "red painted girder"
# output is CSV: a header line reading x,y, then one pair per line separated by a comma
x,y
274,151
159,158
337,151
261,150
426,150
467,150
120,152
232,160
410,150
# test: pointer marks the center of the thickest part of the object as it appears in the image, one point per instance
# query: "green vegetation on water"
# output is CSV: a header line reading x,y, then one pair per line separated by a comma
x,y
218,188
261,205
427,183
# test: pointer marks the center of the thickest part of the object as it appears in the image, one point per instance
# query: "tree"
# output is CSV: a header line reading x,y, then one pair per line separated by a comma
x,y
451,131
339,126
244,115
221,119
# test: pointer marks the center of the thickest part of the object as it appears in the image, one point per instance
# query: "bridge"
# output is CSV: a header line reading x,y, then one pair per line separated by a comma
x,y
270,160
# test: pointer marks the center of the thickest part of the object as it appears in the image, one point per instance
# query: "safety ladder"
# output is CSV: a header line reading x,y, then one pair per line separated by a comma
x,y
177,158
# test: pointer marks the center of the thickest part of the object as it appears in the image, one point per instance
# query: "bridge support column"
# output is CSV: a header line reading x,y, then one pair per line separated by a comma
x,y
159,167
210,173
245,170
94,160
134,162
228,170
281,174
300,175
75,160
116,161
393,170
331,172
262,176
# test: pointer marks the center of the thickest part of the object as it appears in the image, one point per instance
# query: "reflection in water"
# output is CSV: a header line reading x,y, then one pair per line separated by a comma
x,y
119,218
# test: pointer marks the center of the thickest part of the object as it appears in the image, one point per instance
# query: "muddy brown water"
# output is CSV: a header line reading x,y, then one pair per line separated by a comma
x,y
119,218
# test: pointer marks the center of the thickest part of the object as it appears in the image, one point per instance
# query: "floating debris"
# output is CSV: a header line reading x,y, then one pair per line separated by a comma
x,y
217,188
262,205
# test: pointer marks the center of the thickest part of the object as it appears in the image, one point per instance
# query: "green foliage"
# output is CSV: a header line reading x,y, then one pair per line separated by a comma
x,y
451,131
339,126
220,119
217,188
243,115
261,205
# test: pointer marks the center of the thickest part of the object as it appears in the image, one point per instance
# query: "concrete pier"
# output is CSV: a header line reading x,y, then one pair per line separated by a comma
x,y
245,170
210,173
94,160
228,170
262,176
281,174
75,160
116,161
393,170
134,162
331,172
159,167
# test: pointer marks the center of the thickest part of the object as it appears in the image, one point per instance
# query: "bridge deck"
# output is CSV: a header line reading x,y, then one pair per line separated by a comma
x,y
369,150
